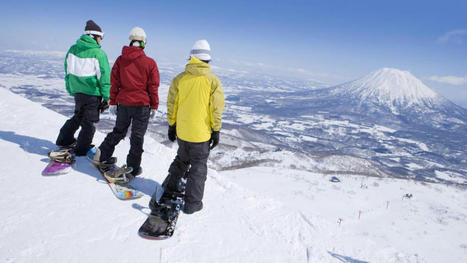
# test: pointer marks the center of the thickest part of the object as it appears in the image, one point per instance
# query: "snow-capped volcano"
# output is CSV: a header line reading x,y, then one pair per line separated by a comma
x,y
391,87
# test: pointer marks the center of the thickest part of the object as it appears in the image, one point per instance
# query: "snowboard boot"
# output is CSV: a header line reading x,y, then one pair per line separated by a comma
x,y
136,172
109,162
81,152
190,208
69,146
97,156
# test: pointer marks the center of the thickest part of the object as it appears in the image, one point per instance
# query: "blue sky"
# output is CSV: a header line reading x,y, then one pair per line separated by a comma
x,y
331,41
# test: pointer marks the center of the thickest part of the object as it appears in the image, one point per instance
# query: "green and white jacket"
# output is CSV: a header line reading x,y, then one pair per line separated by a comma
x,y
87,69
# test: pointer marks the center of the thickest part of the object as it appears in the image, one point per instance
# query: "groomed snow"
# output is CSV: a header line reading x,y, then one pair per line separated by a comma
x,y
251,215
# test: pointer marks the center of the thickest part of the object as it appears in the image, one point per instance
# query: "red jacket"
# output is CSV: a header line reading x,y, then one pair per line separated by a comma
x,y
134,79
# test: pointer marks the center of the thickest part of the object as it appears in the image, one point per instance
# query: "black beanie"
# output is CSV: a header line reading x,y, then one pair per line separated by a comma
x,y
93,29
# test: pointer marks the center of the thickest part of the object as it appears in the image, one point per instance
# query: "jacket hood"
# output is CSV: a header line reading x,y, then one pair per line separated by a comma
x,y
197,67
131,53
86,42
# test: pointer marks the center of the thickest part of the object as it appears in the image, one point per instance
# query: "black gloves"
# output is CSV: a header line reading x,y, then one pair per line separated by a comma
x,y
172,133
214,141
103,106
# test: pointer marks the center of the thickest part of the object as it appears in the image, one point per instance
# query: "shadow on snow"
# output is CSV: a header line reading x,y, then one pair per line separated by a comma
x,y
346,259
42,147
27,143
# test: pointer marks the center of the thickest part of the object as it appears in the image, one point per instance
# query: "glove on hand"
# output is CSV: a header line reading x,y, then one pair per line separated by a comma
x,y
153,113
214,141
103,106
172,133
113,109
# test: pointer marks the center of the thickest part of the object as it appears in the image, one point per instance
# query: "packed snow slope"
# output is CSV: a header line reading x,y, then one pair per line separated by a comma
x,y
257,214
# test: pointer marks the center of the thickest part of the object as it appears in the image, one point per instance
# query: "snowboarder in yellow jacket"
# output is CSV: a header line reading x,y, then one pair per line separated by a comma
x,y
194,113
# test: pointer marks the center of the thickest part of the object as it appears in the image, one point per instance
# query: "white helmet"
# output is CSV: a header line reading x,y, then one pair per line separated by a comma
x,y
201,50
137,33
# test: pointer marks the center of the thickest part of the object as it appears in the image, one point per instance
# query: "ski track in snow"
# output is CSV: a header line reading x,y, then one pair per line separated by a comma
x,y
251,215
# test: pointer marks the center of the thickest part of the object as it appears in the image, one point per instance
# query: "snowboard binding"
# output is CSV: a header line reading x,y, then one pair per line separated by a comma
x,y
163,218
62,156
119,176
164,212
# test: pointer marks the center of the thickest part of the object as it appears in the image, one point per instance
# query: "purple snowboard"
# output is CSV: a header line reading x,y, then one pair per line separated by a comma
x,y
56,168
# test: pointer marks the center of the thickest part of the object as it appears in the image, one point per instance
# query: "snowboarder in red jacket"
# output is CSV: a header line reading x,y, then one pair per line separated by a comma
x,y
133,98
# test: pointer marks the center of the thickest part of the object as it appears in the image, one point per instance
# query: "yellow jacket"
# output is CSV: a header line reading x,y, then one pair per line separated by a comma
x,y
195,102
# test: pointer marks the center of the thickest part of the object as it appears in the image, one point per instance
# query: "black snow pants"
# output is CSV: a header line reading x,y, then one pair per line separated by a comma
x,y
138,117
86,114
190,164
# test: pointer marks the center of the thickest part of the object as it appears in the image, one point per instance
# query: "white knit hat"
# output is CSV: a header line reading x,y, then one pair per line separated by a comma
x,y
137,33
201,50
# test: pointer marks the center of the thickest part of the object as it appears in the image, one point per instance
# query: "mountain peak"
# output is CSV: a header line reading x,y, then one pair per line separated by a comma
x,y
391,87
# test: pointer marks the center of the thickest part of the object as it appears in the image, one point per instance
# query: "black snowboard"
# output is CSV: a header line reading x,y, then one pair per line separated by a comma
x,y
160,224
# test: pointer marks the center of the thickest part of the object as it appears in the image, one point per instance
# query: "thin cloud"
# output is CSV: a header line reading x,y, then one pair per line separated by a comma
x,y
252,66
458,36
310,73
451,80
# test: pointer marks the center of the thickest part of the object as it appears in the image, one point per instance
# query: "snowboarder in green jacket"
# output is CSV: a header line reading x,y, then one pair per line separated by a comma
x,y
87,79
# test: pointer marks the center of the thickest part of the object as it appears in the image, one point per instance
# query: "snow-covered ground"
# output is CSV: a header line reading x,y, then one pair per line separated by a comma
x,y
259,214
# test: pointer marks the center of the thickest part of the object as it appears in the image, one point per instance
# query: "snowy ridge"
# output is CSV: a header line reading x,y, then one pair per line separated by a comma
x,y
391,87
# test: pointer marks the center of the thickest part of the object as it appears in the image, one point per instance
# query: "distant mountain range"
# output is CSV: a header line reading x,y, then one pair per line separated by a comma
x,y
401,94
398,100
385,123
389,117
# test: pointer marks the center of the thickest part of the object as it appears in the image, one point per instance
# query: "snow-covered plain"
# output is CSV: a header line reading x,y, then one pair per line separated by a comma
x,y
258,214
267,118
